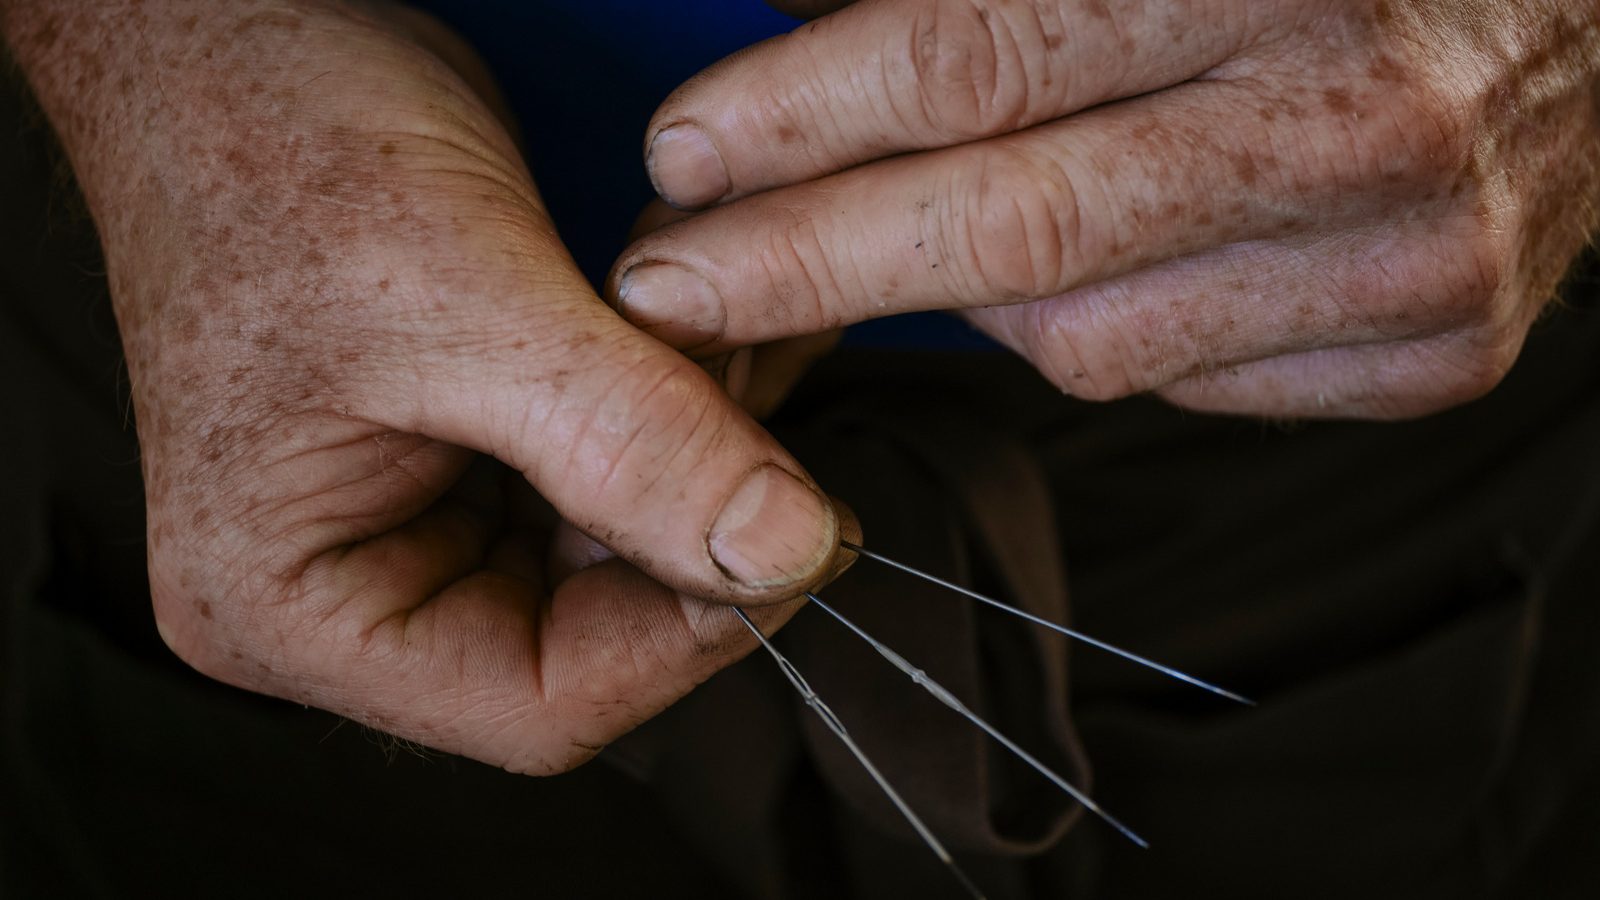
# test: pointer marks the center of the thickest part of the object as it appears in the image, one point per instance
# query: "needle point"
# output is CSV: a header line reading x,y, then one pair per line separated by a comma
x,y
1069,632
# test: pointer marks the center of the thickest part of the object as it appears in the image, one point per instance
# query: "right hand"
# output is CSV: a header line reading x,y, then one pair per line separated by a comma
x,y
336,285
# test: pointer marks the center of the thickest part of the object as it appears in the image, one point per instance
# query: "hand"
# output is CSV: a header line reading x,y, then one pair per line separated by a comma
x,y
1286,207
337,288
758,378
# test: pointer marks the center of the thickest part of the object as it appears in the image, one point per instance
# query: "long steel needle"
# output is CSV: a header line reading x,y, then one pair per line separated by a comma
x,y
1071,633
944,696
837,727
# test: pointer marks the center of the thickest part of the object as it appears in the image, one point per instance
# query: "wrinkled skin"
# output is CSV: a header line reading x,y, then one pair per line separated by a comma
x,y
368,378
1285,208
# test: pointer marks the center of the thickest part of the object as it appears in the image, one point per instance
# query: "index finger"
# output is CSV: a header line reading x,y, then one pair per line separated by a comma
x,y
409,632
888,76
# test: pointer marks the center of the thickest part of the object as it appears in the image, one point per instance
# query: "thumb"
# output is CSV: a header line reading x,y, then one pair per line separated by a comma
x,y
638,447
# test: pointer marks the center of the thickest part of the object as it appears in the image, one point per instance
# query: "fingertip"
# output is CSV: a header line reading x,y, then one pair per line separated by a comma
x,y
671,303
686,167
775,534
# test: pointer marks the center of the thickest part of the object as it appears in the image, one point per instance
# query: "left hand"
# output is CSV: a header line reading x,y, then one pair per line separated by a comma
x,y
1291,207
338,294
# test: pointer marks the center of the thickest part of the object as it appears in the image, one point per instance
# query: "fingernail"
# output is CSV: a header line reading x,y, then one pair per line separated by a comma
x,y
686,168
773,531
671,303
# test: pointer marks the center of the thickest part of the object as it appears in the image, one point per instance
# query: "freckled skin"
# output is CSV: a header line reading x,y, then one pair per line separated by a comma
x,y
1145,151
342,308
1338,101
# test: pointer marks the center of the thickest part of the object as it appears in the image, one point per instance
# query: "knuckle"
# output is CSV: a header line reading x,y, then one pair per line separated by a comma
x,y
555,761
185,625
1479,274
1439,131
654,420
1087,363
209,574
970,70
540,739
1015,226
1419,136
1470,383
1493,351
1466,366
805,275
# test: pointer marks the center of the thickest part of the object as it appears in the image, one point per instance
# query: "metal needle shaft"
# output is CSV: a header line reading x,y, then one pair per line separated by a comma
x,y
943,695
837,727
1076,635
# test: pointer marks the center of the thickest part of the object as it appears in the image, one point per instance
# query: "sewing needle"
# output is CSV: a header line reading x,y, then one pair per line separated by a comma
x,y
943,695
1071,633
836,726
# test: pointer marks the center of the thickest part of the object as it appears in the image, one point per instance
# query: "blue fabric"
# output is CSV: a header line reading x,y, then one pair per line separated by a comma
x,y
583,78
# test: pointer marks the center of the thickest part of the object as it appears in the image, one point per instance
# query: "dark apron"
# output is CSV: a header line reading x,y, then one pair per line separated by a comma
x,y
1413,604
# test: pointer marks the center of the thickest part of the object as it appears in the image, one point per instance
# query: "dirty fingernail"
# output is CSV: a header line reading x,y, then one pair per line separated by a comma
x,y
773,531
686,168
672,304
